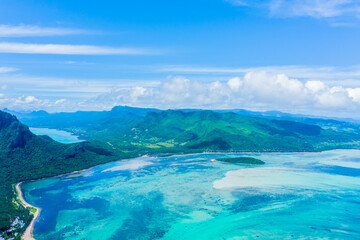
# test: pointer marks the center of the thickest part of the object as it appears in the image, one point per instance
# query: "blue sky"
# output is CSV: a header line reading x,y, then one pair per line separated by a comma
x,y
294,56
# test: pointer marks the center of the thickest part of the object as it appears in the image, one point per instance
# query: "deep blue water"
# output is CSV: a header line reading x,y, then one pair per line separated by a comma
x,y
292,196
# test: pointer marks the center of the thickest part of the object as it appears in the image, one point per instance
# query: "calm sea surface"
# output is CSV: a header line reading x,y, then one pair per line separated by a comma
x,y
57,135
292,196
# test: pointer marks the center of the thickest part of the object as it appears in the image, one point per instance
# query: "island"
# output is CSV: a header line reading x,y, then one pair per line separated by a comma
x,y
242,160
126,132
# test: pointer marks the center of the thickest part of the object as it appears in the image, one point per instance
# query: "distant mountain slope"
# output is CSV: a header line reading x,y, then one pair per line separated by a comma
x,y
337,124
80,119
86,119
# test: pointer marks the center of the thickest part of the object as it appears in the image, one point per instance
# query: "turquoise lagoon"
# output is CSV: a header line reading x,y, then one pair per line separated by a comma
x,y
292,196
57,135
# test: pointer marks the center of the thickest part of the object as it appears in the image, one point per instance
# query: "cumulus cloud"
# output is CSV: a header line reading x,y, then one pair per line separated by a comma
x,y
6,47
31,30
32,103
315,86
277,88
354,94
29,99
348,74
235,83
258,90
22,102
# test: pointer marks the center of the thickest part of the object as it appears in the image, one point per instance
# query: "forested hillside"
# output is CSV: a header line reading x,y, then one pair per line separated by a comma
x,y
196,131
25,156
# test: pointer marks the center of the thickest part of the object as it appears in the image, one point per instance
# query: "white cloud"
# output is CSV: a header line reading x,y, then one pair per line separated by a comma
x,y
28,48
28,99
349,75
306,8
315,86
138,92
257,90
354,93
7,69
274,88
60,101
314,8
63,87
235,83
335,98
30,30
33,103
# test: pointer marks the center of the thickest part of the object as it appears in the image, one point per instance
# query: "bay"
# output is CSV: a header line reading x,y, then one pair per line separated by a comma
x,y
57,135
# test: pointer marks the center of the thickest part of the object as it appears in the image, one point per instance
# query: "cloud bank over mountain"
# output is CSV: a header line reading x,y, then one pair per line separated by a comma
x,y
258,90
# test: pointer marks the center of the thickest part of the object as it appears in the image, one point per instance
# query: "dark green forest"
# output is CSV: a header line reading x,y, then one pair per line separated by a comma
x,y
242,160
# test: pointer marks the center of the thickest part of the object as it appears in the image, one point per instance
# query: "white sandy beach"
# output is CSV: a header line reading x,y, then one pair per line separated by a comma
x,y
28,234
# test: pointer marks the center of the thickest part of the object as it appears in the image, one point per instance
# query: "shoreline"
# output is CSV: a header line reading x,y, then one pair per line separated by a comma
x,y
28,234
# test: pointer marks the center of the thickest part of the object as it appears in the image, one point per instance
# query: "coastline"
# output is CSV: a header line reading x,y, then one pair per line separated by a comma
x,y
28,234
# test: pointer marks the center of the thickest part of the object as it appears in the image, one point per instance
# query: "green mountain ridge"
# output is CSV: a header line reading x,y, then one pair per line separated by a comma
x,y
63,120
196,131
80,119
25,156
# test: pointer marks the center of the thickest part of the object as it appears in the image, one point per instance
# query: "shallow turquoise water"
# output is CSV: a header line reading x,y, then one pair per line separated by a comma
x,y
57,135
292,196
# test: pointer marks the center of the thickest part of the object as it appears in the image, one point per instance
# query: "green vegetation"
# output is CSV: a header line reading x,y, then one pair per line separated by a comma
x,y
25,156
126,132
32,210
242,160
183,132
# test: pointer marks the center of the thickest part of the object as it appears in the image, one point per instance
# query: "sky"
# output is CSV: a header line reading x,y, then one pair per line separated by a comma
x,y
297,56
